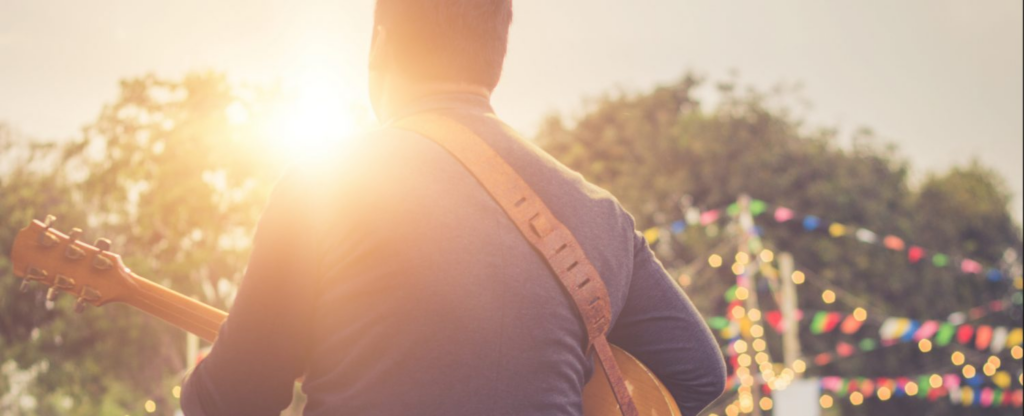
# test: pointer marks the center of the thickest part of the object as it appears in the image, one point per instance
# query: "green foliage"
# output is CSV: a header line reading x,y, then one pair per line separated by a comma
x,y
178,187
661,149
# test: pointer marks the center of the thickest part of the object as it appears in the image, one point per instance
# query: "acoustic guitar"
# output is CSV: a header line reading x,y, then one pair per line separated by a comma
x,y
96,276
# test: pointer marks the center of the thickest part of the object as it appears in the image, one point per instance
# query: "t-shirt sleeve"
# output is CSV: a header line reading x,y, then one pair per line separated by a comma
x,y
262,347
660,326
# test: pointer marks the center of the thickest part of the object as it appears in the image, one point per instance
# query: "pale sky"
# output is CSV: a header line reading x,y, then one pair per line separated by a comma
x,y
942,79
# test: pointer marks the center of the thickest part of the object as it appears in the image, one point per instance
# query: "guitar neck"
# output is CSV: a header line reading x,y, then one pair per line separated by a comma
x,y
176,309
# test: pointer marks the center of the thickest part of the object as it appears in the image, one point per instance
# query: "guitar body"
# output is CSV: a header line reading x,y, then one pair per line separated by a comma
x,y
96,276
649,394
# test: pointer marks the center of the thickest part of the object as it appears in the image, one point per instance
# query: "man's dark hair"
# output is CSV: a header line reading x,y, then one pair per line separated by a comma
x,y
459,41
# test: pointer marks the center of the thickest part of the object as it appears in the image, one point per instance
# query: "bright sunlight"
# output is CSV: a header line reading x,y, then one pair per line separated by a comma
x,y
316,113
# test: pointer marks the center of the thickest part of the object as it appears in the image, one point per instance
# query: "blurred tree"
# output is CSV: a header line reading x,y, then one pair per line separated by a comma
x,y
661,149
177,173
178,182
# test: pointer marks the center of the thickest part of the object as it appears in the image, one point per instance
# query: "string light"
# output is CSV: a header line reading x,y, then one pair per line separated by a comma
x,y
760,345
935,381
884,394
1017,352
740,346
757,331
766,404
925,346
995,361
715,261
742,293
970,371
800,366
150,406
829,297
767,256
989,369
754,315
732,410
742,258
860,314
738,269
799,277
826,402
176,392
912,389
857,398
958,358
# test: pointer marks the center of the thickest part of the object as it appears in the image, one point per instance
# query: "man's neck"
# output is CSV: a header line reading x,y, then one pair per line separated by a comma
x,y
399,103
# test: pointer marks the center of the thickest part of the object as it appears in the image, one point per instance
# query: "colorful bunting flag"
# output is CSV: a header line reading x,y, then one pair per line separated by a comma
x,y
837,230
784,214
983,338
851,325
999,337
964,334
911,330
971,266
652,235
915,254
867,236
927,331
811,223
709,217
945,335
894,243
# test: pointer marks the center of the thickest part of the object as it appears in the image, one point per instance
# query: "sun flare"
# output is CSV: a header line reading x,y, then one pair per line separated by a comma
x,y
316,114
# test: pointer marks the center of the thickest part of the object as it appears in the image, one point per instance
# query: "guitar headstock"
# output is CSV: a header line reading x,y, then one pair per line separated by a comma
x,y
90,273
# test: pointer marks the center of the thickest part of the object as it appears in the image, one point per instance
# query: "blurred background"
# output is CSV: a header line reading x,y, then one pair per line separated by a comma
x,y
836,185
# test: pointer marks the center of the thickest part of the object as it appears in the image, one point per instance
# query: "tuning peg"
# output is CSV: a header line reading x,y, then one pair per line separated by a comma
x,y
103,244
52,293
72,252
45,238
99,261
80,305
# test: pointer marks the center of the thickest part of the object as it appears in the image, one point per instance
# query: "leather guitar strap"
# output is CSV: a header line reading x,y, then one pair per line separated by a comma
x,y
546,233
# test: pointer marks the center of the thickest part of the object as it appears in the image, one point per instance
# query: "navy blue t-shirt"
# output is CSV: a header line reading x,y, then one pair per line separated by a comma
x,y
389,279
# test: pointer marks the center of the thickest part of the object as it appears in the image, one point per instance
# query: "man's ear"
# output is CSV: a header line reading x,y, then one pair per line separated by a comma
x,y
380,50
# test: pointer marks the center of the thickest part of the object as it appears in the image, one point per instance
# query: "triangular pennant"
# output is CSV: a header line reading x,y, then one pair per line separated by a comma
x,y
845,350
818,323
971,266
784,214
915,254
867,236
652,235
894,243
983,338
758,207
678,227
811,223
911,330
709,217
964,334
851,325
837,230
832,321
927,330
999,337
945,335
